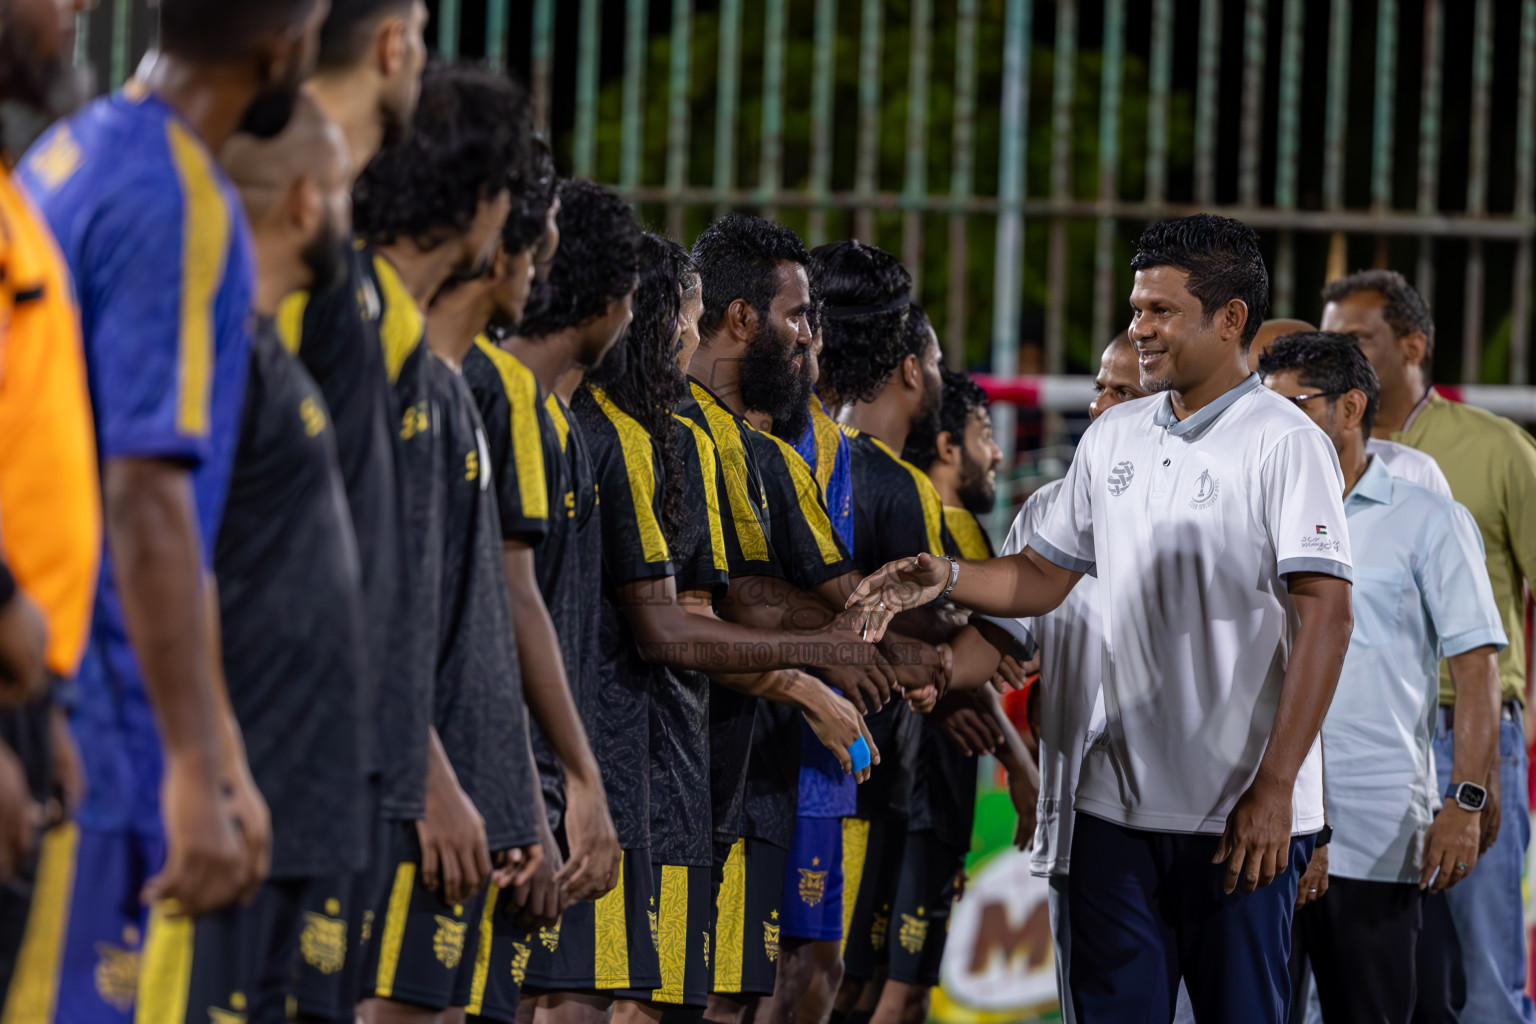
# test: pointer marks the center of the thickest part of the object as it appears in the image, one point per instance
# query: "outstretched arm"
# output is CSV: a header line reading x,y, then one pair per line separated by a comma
x,y
1027,583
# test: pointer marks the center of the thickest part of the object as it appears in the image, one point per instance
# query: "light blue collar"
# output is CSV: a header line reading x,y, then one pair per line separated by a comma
x,y
1164,416
1374,485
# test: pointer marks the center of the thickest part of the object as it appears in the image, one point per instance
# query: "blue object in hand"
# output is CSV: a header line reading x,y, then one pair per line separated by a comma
x,y
859,751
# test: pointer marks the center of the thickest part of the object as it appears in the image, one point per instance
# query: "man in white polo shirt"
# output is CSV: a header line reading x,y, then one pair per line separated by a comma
x,y
1421,592
1214,518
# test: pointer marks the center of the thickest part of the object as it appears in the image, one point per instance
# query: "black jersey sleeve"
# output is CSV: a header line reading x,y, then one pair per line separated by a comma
x,y
701,560
511,410
745,515
807,546
628,473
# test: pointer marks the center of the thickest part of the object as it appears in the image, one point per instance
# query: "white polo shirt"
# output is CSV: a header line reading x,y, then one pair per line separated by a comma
x,y
1411,465
1193,527
1071,641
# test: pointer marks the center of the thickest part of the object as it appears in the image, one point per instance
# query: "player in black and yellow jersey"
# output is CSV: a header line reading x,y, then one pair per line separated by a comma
x,y
526,463
290,601
435,207
888,378
367,82
788,568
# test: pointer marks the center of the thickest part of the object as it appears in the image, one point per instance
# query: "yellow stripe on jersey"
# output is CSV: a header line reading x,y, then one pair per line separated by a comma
x,y
855,849
35,979
636,445
814,512
967,533
165,972
204,250
290,321
933,516
610,936
400,324
557,413
395,917
527,447
482,973
672,933
706,449
733,460
825,430
731,919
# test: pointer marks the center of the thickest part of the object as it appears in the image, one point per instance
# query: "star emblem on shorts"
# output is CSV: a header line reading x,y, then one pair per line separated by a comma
x,y
815,862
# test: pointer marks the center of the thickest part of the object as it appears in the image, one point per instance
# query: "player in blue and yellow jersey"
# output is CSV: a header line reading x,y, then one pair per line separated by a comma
x,y
290,600
160,254
434,207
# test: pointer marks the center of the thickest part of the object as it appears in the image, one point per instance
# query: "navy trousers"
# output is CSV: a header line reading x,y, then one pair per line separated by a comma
x,y
1147,909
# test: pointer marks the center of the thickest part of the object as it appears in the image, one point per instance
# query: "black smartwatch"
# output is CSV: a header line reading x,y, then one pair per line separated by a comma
x,y
1469,796
1323,838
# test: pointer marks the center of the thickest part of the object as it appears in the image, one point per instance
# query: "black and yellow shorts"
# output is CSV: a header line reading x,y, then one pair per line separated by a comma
x,y
422,951
501,962
602,946
337,925
747,919
931,871
872,856
233,964
682,929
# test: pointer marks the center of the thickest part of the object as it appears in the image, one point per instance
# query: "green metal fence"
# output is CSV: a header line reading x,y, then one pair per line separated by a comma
x,y
1010,150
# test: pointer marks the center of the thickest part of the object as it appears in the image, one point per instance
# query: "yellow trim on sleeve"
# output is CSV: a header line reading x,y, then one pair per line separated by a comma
x,y
401,326
165,971
933,515
967,533
730,920
35,979
395,917
527,447
813,511
855,850
204,253
610,934
733,461
707,454
290,321
640,465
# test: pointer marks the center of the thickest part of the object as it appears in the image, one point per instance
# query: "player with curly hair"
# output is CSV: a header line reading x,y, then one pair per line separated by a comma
x,y
434,208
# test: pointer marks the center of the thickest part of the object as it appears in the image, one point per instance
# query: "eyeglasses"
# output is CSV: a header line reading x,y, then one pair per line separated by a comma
x,y
1298,399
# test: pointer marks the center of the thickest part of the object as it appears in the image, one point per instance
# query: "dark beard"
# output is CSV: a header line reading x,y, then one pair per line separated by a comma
x,y
933,394
774,382
325,257
977,493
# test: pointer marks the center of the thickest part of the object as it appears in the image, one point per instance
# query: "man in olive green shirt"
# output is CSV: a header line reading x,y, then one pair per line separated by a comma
x,y
1490,463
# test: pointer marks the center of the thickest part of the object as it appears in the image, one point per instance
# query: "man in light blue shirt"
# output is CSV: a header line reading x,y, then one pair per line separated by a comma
x,y
1421,593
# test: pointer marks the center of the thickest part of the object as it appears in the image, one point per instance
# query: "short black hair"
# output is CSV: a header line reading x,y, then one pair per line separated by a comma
x,y
1221,258
866,294
1405,310
471,135
646,381
1332,363
349,29
223,30
737,257
596,263
962,396
534,191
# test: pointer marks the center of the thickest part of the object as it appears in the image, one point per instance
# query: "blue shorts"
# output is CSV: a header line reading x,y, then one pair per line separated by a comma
x,y
80,958
813,881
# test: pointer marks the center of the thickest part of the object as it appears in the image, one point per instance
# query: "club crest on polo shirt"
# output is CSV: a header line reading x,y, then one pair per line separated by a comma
x,y
1120,477
1207,490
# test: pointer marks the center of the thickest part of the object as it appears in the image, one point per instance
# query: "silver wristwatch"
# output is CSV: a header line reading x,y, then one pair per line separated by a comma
x,y
954,576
